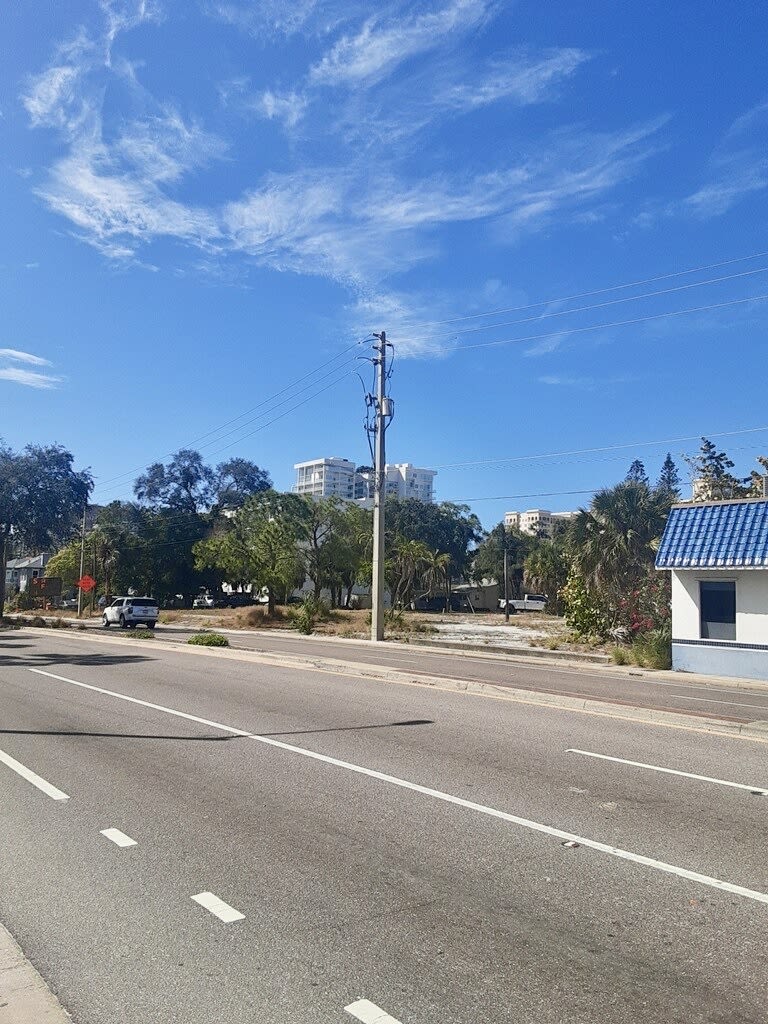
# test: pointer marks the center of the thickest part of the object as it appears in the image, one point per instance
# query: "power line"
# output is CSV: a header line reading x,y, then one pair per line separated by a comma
x,y
602,327
585,295
595,305
266,401
603,448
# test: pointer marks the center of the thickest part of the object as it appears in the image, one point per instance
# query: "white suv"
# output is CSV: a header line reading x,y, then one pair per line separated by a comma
x,y
131,611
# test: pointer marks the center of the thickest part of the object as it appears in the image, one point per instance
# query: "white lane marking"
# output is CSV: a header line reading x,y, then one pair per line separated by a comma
x,y
710,700
369,1013
393,780
30,776
669,771
117,837
218,907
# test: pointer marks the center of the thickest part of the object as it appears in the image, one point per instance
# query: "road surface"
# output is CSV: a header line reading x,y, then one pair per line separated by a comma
x,y
194,839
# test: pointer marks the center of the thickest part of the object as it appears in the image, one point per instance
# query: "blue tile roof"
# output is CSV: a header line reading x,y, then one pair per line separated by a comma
x,y
723,535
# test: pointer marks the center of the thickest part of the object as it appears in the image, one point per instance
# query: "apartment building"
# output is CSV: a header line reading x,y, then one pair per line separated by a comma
x,y
325,478
321,478
537,522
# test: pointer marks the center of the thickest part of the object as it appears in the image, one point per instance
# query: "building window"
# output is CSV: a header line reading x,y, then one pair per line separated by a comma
x,y
717,602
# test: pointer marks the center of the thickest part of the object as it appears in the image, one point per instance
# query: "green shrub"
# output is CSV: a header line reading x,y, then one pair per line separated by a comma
x,y
58,623
621,655
140,634
81,625
311,611
208,640
39,622
654,648
584,613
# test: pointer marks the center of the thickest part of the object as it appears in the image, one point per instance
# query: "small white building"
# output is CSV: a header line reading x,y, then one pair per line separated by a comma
x,y
717,553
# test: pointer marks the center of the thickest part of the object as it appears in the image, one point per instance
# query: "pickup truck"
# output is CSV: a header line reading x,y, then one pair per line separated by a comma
x,y
530,603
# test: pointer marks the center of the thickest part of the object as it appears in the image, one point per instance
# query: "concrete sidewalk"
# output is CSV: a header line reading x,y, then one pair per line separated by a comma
x,y
24,996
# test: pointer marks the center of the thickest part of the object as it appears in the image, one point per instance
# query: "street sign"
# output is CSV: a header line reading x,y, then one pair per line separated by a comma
x,y
45,586
86,583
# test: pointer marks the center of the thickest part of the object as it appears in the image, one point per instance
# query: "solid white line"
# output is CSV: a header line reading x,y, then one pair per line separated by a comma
x,y
369,1013
117,837
436,794
218,907
669,771
710,700
30,776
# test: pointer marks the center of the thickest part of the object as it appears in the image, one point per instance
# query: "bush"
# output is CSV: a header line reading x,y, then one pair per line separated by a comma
x,y
311,611
584,613
39,622
208,640
654,648
141,634
58,623
621,655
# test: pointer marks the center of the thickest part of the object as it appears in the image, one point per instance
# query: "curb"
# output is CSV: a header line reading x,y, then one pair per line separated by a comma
x,y
24,996
756,731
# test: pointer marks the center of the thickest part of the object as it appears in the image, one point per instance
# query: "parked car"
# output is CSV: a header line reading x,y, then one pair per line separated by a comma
x,y
204,601
128,612
530,603
68,603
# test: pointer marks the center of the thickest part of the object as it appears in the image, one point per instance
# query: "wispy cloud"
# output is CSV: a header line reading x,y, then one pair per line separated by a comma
x,y
165,147
23,357
582,383
29,378
282,17
739,166
288,107
383,44
523,79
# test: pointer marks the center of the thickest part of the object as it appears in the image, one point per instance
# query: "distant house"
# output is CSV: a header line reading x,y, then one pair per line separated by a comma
x,y
718,556
19,571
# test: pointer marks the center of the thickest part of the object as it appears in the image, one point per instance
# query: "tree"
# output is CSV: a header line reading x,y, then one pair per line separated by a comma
x,y
65,564
613,543
406,563
186,484
711,471
636,474
236,480
546,570
757,478
669,480
259,545
42,498
488,560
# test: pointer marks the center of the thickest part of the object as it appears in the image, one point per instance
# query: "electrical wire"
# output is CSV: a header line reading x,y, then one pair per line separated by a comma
x,y
602,448
595,305
586,295
606,326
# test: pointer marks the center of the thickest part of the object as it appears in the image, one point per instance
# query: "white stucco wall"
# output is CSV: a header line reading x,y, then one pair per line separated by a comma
x,y
751,603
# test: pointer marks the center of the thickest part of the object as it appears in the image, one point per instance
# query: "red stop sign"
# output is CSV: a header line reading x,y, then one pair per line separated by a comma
x,y
86,583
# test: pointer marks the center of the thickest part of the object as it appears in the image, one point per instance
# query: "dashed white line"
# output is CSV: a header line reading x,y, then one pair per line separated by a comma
x,y
218,907
436,794
30,776
117,837
670,771
369,1013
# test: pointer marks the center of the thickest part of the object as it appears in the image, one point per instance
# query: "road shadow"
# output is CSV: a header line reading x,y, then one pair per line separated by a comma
x,y
204,739
39,659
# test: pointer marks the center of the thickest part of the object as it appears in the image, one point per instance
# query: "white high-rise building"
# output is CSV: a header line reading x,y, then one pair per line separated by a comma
x,y
536,521
321,478
324,478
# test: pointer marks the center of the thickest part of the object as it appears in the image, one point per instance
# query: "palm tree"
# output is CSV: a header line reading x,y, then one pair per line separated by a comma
x,y
434,574
405,566
613,543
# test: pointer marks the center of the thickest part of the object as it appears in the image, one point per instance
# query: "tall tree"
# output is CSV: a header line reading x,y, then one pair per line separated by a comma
x,y
636,474
236,480
185,484
712,477
488,560
757,478
669,480
42,498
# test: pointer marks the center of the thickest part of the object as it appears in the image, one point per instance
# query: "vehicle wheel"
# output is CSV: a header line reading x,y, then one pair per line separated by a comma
x,y
105,622
123,623
151,625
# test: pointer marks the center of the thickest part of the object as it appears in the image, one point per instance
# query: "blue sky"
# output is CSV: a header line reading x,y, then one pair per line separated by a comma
x,y
204,201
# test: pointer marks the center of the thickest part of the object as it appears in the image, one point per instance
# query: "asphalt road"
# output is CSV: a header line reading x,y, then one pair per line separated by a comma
x,y
589,682
373,845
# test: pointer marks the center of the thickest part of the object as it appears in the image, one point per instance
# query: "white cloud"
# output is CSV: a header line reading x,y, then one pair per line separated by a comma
x,y
379,47
29,378
52,98
165,147
279,16
23,357
521,79
739,166
287,107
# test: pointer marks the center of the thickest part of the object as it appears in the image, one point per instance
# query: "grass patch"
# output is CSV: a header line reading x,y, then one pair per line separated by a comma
x,y
208,640
143,634
621,655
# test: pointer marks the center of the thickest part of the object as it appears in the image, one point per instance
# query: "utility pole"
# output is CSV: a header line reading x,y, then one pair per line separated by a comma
x,y
383,408
82,564
506,581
